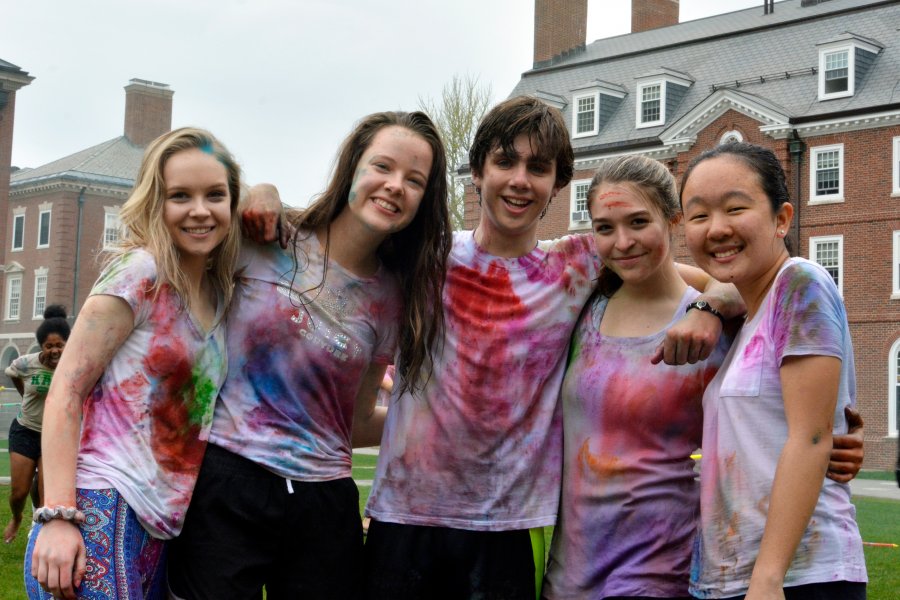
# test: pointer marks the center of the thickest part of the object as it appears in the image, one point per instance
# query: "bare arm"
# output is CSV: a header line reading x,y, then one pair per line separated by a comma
x,y
695,335
20,385
368,419
58,561
810,388
262,216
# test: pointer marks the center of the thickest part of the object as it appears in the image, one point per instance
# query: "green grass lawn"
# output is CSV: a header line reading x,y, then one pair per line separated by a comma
x,y
879,521
879,475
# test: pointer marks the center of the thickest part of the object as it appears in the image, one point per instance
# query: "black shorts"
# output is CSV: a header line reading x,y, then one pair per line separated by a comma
x,y
831,590
406,562
247,528
24,441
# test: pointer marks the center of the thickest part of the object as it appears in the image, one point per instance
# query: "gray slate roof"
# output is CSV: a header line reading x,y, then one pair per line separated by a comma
x,y
114,162
735,46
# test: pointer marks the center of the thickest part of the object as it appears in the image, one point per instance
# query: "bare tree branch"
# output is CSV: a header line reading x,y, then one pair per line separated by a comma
x,y
463,102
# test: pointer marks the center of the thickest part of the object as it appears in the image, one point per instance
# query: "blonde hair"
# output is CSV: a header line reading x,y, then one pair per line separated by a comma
x,y
142,214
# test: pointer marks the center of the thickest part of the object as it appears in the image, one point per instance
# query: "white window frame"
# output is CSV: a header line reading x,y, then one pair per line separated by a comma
x,y
47,212
639,103
111,213
574,204
40,293
895,171
595,127
814,243
729,136
18,218
813,170
893,375
895,268
13,284
851,66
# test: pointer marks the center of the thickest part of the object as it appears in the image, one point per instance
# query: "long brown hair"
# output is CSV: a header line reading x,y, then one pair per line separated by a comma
x,y
417,254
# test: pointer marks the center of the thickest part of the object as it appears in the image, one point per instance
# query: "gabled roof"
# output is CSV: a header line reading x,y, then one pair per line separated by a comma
x,y
769,61
114,162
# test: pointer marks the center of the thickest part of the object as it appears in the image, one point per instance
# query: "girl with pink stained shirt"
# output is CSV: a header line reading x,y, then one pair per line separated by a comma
x,y
138,384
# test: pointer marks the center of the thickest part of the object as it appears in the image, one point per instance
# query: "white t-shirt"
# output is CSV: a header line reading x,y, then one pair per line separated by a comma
x,y
36,380
480,448
744,431
146,421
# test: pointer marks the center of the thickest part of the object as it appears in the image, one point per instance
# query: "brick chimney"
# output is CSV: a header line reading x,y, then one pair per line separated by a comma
x,y
560,27
653,14
148,110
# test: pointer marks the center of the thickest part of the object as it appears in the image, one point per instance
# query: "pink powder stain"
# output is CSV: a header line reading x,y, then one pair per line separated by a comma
x,y
618,204
567,259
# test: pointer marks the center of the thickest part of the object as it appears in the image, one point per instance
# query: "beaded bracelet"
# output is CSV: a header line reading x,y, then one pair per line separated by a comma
x,y
45,514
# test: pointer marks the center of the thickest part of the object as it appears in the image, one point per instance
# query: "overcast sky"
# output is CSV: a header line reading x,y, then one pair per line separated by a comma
x,y
280,82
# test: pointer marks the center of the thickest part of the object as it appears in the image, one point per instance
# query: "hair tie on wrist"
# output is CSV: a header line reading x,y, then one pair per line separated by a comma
x,y
45,514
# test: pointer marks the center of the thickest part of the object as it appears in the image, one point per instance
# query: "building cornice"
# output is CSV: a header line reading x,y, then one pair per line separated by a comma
x,y
70,181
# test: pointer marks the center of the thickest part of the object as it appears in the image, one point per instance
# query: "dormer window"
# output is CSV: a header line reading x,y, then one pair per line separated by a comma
x,y
837,72
592,106
651,105
585,116
658,95
843,63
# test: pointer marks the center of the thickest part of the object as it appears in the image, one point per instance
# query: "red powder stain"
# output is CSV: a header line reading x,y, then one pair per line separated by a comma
x,y
173,438
485,311
618,204
605,195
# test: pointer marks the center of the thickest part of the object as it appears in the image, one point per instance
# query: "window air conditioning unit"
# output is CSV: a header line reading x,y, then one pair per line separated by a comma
x,y
581,215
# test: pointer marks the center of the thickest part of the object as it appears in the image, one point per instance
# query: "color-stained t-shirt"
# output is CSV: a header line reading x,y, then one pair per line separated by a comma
x,y
35,381
744,431
630,496
297,354
146,422
480,447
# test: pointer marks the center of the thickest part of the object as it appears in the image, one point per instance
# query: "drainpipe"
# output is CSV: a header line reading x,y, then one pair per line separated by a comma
x,y
797,149
77,251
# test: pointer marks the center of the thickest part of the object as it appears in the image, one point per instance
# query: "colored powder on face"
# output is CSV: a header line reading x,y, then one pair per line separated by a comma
x,y
360,172
616,204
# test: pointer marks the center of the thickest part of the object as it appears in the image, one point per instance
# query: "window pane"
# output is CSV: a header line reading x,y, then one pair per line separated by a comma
x,y
837,72
828,255
111,230
828,173
40,295
581,191
14,298
44,234
18,232
650,104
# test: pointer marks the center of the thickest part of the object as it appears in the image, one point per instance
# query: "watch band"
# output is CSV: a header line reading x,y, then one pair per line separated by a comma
x,y
705,307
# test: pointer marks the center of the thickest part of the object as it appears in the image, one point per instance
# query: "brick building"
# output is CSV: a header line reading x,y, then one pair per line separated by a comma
x,y
816,81
58,217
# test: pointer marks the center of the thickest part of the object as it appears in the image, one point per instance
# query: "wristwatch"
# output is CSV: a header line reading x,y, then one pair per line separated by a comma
x,y
705,307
